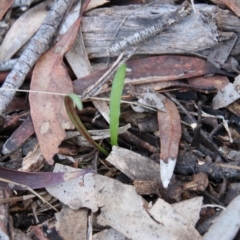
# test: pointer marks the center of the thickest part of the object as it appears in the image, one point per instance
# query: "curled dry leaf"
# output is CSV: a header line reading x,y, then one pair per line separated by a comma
x,y
48,112
170,132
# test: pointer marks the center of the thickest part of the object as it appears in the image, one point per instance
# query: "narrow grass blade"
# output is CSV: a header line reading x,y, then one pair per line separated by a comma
x,y
115,101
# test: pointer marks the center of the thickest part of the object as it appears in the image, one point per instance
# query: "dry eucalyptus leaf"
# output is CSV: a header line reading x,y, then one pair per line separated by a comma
x,y
121,207
170,132
48,111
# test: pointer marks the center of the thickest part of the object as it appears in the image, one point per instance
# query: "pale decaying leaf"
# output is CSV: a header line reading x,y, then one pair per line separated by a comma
x,y
108,234
121,207
22,30
170,132
76,220
164,213
228,94
48,111
227,224
134,165
96,3
34,161
151,99
189,209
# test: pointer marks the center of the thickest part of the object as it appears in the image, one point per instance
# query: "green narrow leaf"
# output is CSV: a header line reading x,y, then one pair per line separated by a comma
x,y
77,101
115,101
69,102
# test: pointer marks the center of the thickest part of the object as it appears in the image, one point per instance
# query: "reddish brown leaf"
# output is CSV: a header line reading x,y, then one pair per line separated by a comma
x,y
4,6
38,179
170,133
48,112
234,5
155,69
217,81
20,136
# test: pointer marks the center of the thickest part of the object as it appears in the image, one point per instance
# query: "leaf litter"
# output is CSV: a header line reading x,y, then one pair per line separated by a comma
x,y
84,192
135,205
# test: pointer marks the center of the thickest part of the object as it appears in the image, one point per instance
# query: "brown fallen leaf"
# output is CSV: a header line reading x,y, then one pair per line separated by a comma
x,y
48,112
147,70
217,82
234,5
170,132
4,6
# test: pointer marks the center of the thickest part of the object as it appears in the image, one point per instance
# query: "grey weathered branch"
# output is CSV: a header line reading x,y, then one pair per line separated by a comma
x,y
39,44
161,25
199,32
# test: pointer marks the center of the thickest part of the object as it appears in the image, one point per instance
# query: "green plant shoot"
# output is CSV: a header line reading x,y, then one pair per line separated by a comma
x,y
115,101
70,102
